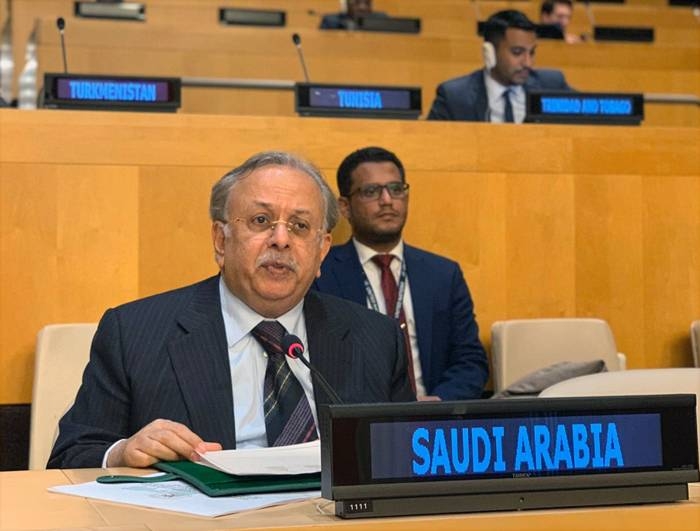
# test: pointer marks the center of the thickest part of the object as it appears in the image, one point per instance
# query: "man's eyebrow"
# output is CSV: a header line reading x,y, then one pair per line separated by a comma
x,y
270,206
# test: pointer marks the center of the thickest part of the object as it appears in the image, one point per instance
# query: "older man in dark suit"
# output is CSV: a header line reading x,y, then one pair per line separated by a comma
x,y
497,93
202,368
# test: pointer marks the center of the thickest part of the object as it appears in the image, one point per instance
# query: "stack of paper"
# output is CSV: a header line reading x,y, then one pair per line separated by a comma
x,y
278,460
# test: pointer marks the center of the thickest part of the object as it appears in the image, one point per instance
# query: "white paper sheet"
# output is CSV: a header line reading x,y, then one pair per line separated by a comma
x,y
295,459
178,496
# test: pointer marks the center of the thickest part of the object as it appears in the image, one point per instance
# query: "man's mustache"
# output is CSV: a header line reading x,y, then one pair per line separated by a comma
x,y
277,259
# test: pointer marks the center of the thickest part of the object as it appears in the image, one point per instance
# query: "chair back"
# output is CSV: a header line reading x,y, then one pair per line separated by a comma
x,y
62,352
522,346
633,382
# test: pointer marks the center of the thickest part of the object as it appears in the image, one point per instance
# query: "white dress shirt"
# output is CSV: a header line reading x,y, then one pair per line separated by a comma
x,y
497,102
374,277
248,362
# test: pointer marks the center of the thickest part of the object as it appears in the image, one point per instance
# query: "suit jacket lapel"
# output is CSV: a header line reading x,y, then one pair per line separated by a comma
x,y
422,298
330,352
348,273
200,361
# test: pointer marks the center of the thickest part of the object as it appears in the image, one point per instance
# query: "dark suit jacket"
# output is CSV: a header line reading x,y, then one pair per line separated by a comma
x,y
166,357
453,361
464,98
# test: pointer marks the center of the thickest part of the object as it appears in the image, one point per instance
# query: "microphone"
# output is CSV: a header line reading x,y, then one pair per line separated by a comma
x,y
296,39
61,24
294,348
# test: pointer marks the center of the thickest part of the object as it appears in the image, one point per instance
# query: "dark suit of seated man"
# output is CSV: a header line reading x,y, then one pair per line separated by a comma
x,y
431,299
349,19
200,368
497,93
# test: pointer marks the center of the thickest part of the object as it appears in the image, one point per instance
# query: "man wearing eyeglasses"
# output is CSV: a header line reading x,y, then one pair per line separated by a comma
x,y
424,292
203,367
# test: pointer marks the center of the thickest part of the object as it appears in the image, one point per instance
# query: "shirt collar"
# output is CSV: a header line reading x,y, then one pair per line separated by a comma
x,y
240,319
366,253
495,90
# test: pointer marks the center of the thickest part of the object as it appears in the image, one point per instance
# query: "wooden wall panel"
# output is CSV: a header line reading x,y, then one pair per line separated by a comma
x,y
671,260
609,257
175,248
69,247
100,208
539,278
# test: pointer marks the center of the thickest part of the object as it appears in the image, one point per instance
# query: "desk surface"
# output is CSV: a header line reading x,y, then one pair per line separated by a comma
x,y
26,504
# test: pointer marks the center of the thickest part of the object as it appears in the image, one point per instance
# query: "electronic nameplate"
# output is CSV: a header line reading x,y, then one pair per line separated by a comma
x,y
491,455
584,108
360,101
112,93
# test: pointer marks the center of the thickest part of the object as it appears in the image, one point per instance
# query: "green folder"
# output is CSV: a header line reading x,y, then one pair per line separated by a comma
x,y
213,482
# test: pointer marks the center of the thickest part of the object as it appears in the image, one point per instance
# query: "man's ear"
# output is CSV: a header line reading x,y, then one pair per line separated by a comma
x,y
218,237
326,242
344,206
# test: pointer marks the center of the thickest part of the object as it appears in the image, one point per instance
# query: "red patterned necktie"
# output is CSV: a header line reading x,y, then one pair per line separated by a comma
x,y
288,417
391,295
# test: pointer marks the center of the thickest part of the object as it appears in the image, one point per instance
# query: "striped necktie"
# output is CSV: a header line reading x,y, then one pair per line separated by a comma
x,y
288,417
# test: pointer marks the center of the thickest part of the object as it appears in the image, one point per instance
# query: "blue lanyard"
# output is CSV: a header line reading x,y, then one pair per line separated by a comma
x,y
373,299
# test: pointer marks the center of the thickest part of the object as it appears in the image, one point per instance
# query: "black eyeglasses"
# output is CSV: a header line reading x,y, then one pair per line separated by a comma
x,y
374,191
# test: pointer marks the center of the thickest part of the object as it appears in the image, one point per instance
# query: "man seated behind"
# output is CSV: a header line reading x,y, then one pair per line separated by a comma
x,y
200,368
425,292
559,13
349,18
497,93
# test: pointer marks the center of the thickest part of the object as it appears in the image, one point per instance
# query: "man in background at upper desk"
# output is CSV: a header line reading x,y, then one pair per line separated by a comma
x,y
348,19
559,13
497,92
201,368
425,292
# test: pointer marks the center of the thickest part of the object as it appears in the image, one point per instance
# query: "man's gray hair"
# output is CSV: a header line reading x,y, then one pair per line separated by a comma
x,y
221,190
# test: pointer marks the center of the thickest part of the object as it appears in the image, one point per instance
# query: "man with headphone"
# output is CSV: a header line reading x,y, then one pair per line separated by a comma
x,y
497,93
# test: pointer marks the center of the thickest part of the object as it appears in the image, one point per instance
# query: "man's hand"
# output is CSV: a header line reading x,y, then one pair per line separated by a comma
x,y
160,440
429,398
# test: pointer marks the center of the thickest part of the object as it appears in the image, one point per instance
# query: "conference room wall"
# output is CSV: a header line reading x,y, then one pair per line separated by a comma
x,y
427,63
448,18
335,46
100,208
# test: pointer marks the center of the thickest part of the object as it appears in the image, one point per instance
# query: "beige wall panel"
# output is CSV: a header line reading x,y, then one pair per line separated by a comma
x,y
68,233
204,140
540,246
609,258
665,115
237,101
488,283
619,150
671,225
28,271
174,230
